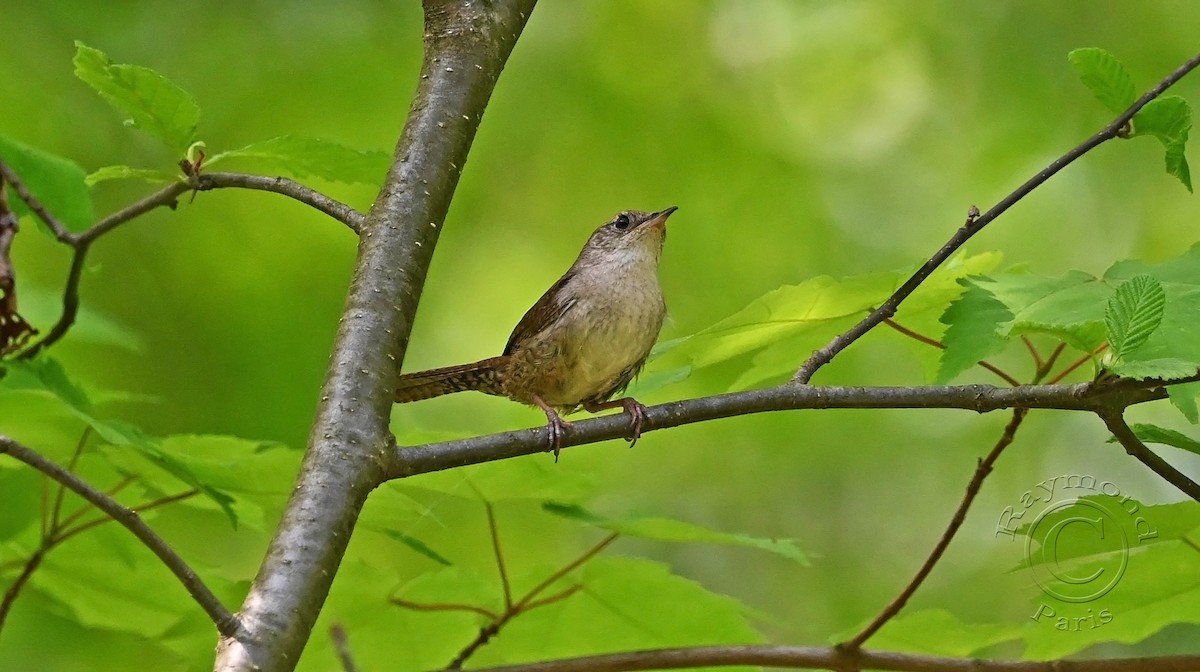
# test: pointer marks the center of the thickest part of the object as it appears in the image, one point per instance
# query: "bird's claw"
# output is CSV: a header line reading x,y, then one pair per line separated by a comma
x,y
557,429
637,419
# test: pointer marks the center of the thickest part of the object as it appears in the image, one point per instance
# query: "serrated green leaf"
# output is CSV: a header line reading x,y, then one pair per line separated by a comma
x,y
796,318
46,375
973,330
1168,437
308,157
128,173
624,604
419,546
937,632
1169,119
529,478
58,184
120,433
1133,313
1168,368
1183,398
668,529
1105,77
155,104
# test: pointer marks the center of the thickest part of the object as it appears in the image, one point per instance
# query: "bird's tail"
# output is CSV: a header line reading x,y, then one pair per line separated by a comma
x,y
483,376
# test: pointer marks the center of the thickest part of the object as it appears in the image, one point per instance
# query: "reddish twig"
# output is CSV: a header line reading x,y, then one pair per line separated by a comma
x,y
938,344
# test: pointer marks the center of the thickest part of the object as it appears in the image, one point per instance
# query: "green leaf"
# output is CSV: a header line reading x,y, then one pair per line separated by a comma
x,y
529,478
1134,312
797,318
418,546
311,157
623,604
1169,119
973,330
668,529
128,173
58,183
1168,437
47,376
1167,368
1105,77
937,632
1183,398
123,434
155,104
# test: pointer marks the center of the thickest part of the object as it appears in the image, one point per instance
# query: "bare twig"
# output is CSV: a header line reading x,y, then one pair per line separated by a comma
x,y
938,344
342,645
817,658
441,606
529,602
57,533
975,224
495,534
524,602
981,472
1134,446
290,188
1033,352
56,227
10,595
227,624
166,196
1076,364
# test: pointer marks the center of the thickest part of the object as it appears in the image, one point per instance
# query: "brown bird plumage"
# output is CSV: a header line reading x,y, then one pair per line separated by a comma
x,y
584,340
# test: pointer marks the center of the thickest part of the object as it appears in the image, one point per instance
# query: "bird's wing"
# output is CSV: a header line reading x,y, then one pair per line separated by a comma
x,y
544,313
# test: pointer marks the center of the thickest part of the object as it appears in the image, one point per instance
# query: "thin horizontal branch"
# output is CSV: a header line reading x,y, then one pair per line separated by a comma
x,y
290,188
816,658
1134,446
407,461
975,223
227,624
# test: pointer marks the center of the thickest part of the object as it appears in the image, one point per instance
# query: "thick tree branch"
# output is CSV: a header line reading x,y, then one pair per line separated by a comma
x,y
407,461
975,224
815,658
466,46
1115,421
226,623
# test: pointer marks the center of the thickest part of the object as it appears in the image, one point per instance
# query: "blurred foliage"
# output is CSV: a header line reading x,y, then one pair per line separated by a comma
x,y
801,140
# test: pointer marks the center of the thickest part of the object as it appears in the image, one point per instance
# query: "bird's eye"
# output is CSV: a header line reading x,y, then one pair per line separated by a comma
x,y
622,222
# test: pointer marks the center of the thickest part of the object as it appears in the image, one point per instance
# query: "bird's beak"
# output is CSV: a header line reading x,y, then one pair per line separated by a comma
x,y
659,218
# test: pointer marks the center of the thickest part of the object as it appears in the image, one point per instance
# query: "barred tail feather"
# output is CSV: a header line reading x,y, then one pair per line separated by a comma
x,y
483,376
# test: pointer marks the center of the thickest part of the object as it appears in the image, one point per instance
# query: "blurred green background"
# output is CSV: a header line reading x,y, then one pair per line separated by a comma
x,y
797,138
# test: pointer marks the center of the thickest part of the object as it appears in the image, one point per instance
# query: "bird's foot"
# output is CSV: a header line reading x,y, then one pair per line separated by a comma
x,y
556,427
635,409
637,418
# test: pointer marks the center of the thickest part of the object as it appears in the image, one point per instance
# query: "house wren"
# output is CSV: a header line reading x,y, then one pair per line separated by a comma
x,y
584,340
